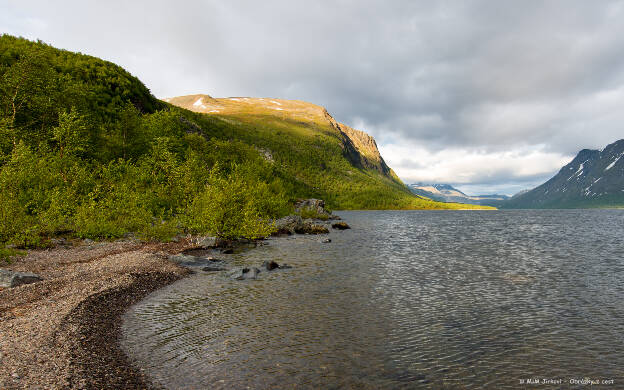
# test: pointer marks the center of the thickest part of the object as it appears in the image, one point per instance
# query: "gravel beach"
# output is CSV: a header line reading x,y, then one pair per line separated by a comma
x,y
63,332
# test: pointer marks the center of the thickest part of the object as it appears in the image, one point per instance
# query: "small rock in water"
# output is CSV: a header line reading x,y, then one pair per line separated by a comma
x,y
285,266
228,251
270,265
190,261
326,241
181,258
213,268
341,226
245,273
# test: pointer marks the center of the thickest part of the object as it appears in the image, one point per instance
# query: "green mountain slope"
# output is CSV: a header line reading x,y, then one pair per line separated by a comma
x,y
594,178
316,156
87,150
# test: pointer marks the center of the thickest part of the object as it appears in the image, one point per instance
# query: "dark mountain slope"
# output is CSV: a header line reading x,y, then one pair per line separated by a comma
x,y
594,178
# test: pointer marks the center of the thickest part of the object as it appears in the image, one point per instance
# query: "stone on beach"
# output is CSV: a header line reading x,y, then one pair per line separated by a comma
x,y
14,279
207,263
213,268
207,242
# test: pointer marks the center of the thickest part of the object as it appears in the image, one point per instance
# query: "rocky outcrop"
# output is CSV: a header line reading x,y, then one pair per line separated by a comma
x,y
288,225
365,145
313,228
13,279
316,206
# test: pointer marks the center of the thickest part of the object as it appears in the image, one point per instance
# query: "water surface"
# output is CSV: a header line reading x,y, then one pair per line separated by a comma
x,y
406,299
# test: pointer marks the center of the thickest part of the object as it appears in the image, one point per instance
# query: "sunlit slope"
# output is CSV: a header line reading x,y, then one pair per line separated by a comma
x,y
316,156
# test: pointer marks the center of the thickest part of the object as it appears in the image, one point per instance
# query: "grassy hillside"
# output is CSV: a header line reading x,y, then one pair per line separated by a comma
x,y
86,150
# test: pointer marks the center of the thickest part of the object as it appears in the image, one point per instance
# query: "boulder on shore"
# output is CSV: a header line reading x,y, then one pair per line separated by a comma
x,y
341,226
207,242
14,279
190,261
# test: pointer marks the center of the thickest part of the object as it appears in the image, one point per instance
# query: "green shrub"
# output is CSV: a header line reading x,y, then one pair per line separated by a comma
x,y
7,253
233,206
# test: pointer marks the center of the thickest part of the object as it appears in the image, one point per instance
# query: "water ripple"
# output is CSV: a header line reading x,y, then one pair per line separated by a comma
x,y
405,299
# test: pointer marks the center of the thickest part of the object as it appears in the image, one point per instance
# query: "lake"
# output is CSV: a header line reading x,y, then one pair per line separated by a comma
x,y
403,300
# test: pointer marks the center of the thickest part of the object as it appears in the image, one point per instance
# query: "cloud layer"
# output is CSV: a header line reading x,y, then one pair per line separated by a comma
x,y
495,95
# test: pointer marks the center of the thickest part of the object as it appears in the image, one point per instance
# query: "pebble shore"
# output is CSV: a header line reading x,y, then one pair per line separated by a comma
x,y
63,332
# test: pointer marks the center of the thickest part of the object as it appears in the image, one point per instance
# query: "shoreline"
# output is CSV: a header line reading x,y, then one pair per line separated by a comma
x,y
64,331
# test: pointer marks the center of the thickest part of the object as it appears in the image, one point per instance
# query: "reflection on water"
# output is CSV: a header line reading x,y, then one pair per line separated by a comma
x,y
445,299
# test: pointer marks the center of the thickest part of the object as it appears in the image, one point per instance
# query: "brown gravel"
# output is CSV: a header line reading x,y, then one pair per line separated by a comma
x,y
63,332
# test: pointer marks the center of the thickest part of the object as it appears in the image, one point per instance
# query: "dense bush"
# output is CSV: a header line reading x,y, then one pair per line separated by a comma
x,y
87,151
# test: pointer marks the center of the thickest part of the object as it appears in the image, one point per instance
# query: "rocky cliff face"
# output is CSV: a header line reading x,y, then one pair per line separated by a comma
x,y
370,158
594,178
358,147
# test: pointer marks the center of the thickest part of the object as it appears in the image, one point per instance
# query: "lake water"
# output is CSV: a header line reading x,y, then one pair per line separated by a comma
x,y
405,299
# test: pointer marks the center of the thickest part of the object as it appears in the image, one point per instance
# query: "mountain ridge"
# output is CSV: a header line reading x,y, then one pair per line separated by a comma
x,y
594,178
359,147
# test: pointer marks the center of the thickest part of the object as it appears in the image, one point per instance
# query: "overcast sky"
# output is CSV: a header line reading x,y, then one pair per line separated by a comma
x,y
491,96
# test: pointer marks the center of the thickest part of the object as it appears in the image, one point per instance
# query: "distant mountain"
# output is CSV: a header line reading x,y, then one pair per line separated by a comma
x,y
448,193
595,178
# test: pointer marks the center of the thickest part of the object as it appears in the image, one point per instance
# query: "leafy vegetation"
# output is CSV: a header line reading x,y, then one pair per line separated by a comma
x,y
86,150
